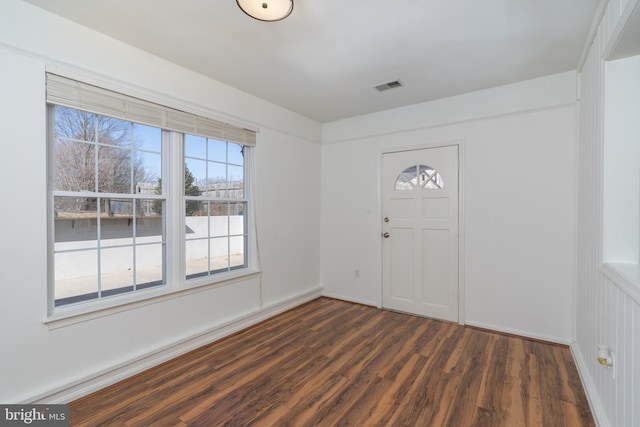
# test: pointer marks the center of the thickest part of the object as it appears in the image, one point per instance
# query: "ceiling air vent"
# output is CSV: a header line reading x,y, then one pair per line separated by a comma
x,y
390,85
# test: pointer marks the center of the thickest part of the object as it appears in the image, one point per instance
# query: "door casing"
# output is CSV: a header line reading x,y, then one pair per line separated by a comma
x,y
461,233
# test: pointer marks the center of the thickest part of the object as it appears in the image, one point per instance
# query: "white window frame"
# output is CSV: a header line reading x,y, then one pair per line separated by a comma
x,y
213,199
130,196
174,213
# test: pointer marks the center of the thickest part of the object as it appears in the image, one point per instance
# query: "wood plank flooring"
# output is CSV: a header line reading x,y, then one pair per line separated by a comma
x,y
334,363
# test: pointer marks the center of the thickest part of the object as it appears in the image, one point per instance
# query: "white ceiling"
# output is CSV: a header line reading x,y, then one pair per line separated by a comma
x,y
324,60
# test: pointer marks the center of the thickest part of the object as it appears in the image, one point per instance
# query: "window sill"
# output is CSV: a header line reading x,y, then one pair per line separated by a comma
x,y
61,317
624,276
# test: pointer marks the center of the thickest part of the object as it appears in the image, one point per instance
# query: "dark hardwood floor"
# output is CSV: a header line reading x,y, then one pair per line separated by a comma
x,y
331,362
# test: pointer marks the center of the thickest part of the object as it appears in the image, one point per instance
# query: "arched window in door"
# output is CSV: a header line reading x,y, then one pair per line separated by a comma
x,y
419,176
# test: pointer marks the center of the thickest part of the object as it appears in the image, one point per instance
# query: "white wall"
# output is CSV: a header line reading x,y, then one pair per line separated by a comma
x,y
39,363
518,202
607,308
288,218
518,214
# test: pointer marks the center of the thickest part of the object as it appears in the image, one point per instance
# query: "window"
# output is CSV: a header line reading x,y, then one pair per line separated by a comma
x,y
419,176
141,196
216,230
108,234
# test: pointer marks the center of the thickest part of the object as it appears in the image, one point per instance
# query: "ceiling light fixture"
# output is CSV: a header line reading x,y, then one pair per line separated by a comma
x,y
266,10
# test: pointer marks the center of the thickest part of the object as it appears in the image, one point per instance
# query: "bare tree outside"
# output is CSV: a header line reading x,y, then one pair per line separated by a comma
x,y
96,153
77,133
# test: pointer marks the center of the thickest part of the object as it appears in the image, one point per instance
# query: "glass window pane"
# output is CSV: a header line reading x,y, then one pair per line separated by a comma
x,y
217,151
410,172
196,235
195,211
219,221
424,174
195,174
195,146
237,224
219,248
236,192
402,184
236,177
76,277
208,190
117,162
149,266
74,124
75,223
236,251
149,222
116,270
147,138
197,258
429,178
435,182
74,165
218,189
236,156
114,170
410,175
116,224
153,187
217,172
147,168
113,131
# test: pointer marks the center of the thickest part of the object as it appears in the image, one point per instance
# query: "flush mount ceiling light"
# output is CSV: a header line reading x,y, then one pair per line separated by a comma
x,y
266,10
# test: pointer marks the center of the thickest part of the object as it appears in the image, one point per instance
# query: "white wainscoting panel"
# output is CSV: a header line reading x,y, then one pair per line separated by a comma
x,y
606,313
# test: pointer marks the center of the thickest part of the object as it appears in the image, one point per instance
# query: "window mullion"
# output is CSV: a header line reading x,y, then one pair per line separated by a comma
x,y
206,184
137,196
174,189
251,248
134,239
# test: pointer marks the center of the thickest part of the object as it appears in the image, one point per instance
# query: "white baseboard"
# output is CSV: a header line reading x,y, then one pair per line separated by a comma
x,y
97,381
518,332
349,299
597,409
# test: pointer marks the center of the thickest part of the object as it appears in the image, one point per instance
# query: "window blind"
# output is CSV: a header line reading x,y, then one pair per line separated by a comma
x,y
82,96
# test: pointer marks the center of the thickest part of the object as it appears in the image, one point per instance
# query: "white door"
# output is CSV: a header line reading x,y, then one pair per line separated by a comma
x,y
420,232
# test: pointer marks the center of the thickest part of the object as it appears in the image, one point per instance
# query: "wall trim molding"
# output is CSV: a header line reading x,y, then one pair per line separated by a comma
x,y
446,123
78,388
85,75
460,145
593,31
621,281
96,78
518,332
349,299
597,409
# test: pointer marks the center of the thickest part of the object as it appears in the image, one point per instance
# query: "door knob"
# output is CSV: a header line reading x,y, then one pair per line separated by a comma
x,y
386,219
385,235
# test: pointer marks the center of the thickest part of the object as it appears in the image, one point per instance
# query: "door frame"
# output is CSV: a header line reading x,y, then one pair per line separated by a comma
x,y
461,232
